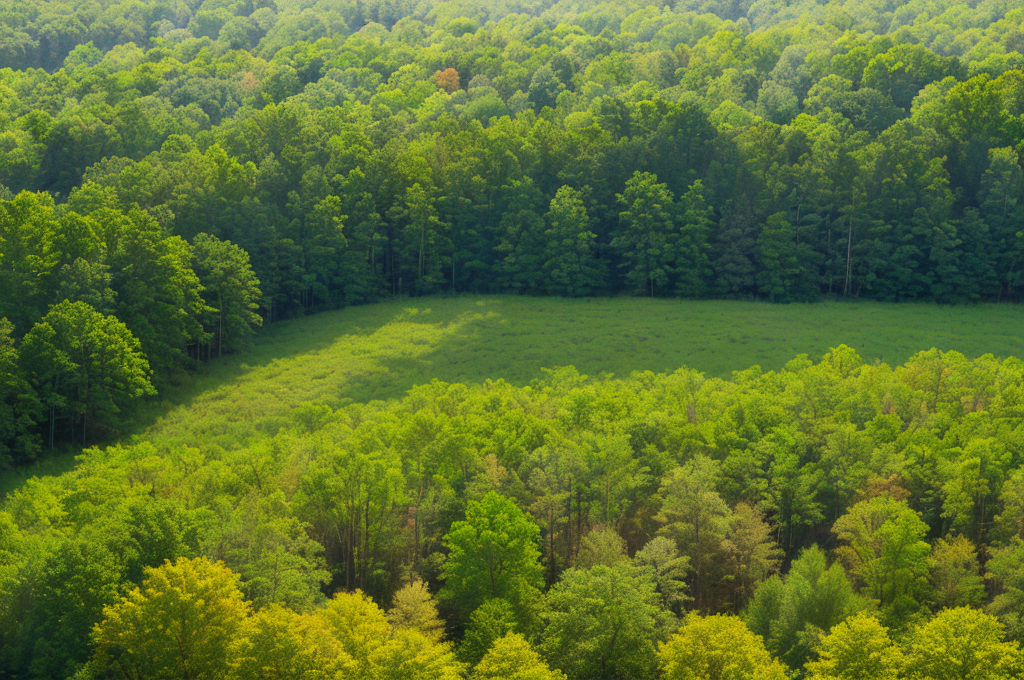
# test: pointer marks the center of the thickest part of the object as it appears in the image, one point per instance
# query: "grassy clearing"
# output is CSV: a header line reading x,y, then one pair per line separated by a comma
x,y
380,351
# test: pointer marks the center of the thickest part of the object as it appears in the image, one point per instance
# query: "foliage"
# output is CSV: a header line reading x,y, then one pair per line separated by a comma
x,y
493,554
602,623
718,647
182,622
512,658
963,643
859,648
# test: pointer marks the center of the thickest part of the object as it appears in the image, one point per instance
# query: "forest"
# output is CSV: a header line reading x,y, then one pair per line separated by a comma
x,y
176,174
833,519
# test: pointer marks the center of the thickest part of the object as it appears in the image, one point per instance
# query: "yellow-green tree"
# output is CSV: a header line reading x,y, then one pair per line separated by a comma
x,y
857,649
512,658
718,647
962,644
280,644
414,608
183,622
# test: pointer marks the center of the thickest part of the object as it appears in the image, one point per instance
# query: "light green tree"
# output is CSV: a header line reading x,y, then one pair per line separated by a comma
x,y
955,573
962,644
183,622
512,658
718,647
859,648
884,550
602,623
493,554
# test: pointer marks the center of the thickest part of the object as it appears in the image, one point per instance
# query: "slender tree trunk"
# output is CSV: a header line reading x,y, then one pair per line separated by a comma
x,y
849,243
220,332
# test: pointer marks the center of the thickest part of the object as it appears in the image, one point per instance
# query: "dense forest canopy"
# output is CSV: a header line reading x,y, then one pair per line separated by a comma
x,y
174,174
821,519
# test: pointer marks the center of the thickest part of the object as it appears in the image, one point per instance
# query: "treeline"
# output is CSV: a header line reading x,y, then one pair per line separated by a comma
x,y
98,305
588,149
829,517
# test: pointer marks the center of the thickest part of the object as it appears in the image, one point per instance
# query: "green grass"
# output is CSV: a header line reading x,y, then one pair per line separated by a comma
x,y
380,351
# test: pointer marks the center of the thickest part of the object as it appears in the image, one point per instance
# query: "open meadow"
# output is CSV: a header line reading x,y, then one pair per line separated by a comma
x,y
381,351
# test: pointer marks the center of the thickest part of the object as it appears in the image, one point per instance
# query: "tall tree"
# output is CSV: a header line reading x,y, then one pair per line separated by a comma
x,y
884,550
718,647
493,554
697,519
87,368
602,623
230,290
19,404
859,648
182,622
511,658
648,226
570,262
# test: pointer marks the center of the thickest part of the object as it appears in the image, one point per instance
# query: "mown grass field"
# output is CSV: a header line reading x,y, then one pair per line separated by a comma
x,y
380,351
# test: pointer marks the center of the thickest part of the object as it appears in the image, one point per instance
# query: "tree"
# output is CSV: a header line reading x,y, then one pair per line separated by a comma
x,y
279,644
602,623
859,648
604,546
648,223
570,263
1006,571
28,258
183,622
697,519
545,87
511,658
489,622
750,551
156,291
413,607
360,627
955,574
884,550
777,257
522,241
447,80
691,266
19,404
962,644
230,290
660,561
85,366
493,554
410,655
424,239
793,612
718,647
1002,186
